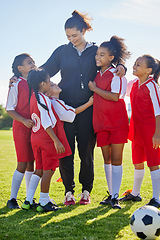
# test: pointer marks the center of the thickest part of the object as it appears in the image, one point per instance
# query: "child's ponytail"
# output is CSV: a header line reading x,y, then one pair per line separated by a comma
x,y
157,71
118,49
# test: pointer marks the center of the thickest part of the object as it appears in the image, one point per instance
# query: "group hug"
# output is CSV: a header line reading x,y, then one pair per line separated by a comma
x,y
87,107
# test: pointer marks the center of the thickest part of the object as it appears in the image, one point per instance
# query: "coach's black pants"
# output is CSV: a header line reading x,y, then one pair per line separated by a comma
x,y
80,130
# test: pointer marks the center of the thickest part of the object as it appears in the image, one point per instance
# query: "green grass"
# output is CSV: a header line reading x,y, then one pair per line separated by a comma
x,y
91,222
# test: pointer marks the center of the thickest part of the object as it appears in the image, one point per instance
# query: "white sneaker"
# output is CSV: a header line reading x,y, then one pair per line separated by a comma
x,y
69,199
85,198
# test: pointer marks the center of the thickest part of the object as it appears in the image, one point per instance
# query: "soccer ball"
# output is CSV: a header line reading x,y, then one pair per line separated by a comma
x,y
145,222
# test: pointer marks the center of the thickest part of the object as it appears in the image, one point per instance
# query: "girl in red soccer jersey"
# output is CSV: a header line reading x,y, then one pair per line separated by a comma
x,y
145,126
110,120
18,108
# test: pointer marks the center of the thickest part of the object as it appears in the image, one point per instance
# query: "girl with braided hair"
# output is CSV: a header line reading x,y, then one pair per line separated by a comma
x,y
18,108
110,120
49,142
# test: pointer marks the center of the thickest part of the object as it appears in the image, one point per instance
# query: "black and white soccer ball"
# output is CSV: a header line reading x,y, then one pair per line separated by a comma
x,y
145,222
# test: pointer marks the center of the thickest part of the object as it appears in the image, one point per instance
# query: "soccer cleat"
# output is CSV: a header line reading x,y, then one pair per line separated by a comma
x,y
26,205
12,204
130,197
154,203
48,207
115,203
85,198
69,199
34,204
106,200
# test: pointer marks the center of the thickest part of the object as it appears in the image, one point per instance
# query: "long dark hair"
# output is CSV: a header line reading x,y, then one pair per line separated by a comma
x,y
18,61
118,49
154,64
79,21
35,77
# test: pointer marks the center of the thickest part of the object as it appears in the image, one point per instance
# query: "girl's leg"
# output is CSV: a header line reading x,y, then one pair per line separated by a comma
x,y
33,185
138,157
116,160
138,178
28,173
45,184
106,151
155,177
45,204
17,179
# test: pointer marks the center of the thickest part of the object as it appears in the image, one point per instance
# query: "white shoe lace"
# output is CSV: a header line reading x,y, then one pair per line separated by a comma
x,y
85,195
69,197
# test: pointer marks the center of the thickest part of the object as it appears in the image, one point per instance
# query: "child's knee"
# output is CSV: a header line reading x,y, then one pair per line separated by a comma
x,y
21,167
30,166
39,172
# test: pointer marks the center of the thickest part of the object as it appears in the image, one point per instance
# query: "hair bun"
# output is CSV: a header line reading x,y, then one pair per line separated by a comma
x,y
76,14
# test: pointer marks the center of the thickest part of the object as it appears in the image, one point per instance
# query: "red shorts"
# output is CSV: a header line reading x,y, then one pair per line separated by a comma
x,y
106,137
22,141
24,151
144,153
45,154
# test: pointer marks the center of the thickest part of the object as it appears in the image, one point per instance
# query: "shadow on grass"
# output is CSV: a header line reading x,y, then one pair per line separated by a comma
x,y
73,222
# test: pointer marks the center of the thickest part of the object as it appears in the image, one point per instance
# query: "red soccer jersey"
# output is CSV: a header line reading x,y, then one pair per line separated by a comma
x,y
145,103
18,100
109,115
44,119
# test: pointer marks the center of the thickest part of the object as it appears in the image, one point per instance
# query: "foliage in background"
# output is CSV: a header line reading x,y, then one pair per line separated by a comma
x,y
5,119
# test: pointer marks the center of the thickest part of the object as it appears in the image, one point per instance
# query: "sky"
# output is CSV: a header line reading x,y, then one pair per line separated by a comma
x,y
37,27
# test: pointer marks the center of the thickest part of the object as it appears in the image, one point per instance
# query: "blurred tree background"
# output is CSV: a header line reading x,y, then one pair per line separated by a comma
x,y
5,119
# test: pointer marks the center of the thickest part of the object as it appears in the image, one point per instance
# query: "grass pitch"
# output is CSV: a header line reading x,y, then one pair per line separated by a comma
x,y
91,222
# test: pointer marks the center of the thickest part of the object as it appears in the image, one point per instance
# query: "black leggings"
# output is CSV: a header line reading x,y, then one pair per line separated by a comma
x,y
80,130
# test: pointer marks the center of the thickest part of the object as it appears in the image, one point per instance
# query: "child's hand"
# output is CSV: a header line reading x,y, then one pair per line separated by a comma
x,y
156,140
92,86
28,123
59,147
12,80
90,101
120,71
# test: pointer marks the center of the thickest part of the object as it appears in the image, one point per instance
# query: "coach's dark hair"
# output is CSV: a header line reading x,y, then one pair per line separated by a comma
x,y
118,49
154,64
79,21
35,77
18,61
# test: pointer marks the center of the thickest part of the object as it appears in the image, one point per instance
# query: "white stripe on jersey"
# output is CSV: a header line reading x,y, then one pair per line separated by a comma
x,y
12,98
154,96
116,84
47,119
65,113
